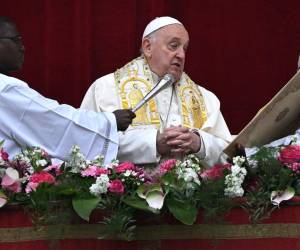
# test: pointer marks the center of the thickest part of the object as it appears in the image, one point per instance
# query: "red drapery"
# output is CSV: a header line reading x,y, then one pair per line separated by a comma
x,y
244,51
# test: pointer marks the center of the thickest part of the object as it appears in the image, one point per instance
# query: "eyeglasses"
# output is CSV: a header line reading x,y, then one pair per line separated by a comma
x,y
16,39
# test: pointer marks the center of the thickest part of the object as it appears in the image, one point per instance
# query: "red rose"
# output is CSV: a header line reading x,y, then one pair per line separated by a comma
x,y
290,154
125,166
116,186
215,172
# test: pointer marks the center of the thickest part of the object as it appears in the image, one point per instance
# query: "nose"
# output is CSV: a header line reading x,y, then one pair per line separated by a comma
x,y
181,53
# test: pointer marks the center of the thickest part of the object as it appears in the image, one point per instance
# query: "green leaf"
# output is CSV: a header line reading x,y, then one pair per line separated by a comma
x,y
184,211
138,203
84,207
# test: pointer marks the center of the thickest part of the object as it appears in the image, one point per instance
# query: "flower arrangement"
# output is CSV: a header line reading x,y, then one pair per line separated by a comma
x,y
178,187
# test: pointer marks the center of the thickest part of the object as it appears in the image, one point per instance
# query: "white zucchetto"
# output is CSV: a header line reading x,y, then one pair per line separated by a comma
x,y
158,23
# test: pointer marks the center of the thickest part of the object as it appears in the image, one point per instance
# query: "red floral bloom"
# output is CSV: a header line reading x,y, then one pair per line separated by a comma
x,y
215,172
124,166
290,154
38,178
4,155
167,165
42,177
116,186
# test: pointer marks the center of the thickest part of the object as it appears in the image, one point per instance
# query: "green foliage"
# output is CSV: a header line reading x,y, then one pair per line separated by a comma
x,y
119,225
84,207
212,200
183,210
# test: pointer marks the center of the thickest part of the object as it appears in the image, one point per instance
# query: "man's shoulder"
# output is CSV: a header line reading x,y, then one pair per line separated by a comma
x,y
105,78
7,81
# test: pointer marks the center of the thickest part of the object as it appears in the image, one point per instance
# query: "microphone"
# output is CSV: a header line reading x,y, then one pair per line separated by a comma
x,y
166,81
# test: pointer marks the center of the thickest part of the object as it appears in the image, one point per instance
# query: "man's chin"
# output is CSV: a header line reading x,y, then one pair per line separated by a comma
x,y
176,75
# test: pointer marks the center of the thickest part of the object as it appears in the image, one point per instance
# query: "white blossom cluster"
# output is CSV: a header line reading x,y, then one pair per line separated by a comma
x,y
100,186
77,161
234,181
188,169
98,161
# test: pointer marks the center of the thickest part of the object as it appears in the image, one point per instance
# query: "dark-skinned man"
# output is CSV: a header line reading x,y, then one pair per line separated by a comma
x,y
30,119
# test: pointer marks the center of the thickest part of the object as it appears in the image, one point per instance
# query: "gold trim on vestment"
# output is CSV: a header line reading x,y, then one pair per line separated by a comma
x,y
134,81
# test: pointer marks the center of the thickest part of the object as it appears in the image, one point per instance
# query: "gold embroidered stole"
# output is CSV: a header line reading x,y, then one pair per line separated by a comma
x,y
134,81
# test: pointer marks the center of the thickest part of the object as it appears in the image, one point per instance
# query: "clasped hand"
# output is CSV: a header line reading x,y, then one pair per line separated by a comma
x,y
177,140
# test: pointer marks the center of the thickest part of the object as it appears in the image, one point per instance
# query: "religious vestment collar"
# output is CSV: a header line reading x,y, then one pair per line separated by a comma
x,y
135,80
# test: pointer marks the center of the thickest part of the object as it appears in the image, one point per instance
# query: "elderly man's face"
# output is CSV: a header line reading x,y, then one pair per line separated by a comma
x,y
165,52
11,49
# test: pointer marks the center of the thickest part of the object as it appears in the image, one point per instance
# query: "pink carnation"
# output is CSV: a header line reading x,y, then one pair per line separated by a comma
x,y
42,177
167,165
38,178
290,154
116,186
4,155
93,171
215,172
295,167
124,166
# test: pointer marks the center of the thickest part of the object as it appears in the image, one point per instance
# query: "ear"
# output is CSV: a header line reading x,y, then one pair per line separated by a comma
x,y
147,47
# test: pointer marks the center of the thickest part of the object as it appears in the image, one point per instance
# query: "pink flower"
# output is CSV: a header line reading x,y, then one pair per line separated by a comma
x,y
290,154
116,186
167,165
44,153
36,179
42,177
55,167
93,171
10,180
31,186
215,172
124,166
4,155
295,167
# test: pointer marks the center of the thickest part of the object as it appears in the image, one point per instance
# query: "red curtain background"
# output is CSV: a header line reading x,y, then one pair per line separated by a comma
x,y
243,51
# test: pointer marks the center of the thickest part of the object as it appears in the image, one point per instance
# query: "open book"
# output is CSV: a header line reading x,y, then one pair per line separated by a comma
x,y
280,117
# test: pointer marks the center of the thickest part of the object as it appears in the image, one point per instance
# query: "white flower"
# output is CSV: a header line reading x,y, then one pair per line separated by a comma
x,y
189,175
41,162
127,173
234,181
101,185
238,160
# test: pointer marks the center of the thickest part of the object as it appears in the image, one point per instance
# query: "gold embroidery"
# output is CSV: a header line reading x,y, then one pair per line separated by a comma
x,y
135,96
134,81
192,105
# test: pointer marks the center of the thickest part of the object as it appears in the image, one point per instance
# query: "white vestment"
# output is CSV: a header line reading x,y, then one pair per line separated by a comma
x,y
138,143
29,119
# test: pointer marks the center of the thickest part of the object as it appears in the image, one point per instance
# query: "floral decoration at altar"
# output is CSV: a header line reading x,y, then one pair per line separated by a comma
x,y
122,190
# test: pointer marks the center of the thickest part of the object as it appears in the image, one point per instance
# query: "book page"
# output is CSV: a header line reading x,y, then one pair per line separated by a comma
x,y
279,118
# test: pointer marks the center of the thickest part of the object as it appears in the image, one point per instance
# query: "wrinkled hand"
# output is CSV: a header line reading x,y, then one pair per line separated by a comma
x,y
178,140
124,118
